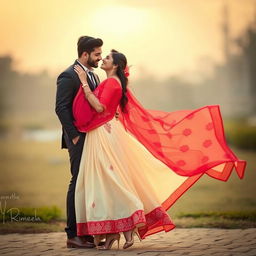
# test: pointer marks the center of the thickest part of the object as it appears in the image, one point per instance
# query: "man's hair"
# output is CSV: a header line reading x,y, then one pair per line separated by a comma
x,y
87,44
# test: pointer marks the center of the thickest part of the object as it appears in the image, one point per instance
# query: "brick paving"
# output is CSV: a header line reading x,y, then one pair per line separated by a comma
x,y
191,242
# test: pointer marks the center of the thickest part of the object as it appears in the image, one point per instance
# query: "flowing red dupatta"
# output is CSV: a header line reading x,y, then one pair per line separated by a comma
x,y
190,142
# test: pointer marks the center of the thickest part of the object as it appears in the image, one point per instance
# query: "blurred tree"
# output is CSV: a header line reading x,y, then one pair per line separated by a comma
x,y
26,96
7,77
247,43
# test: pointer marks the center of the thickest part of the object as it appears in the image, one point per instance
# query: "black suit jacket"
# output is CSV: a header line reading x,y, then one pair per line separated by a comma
x,y
68,84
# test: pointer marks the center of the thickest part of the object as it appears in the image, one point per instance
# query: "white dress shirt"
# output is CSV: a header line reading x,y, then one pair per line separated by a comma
x,y
94,82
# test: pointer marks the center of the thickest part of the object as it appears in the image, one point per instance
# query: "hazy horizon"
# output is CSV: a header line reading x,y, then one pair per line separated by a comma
x,y
163,38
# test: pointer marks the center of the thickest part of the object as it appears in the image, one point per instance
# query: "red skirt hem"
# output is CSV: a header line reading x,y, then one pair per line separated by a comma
x,y
157,219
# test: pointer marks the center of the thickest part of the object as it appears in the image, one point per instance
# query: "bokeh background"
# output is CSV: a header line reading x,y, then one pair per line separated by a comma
x,y
184,54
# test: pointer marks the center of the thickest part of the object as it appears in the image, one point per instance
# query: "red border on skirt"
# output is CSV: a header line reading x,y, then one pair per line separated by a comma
x,y
156,218
155,221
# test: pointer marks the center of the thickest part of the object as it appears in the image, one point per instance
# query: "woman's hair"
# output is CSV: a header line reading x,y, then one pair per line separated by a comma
x,y
87,44
120,60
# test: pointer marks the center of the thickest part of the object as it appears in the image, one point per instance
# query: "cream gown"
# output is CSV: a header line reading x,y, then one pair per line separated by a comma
x,y
121,186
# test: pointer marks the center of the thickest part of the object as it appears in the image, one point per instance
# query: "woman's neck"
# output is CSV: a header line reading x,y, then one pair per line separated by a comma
x,y
111,73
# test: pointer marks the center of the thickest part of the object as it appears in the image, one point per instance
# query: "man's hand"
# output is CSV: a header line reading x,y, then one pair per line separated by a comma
x,y
75,140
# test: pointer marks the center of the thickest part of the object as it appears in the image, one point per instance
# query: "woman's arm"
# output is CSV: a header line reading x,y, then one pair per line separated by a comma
x,y
92,99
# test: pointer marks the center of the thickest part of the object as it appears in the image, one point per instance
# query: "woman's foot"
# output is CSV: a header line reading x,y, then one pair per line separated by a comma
x,y
98,239
129,237
110,239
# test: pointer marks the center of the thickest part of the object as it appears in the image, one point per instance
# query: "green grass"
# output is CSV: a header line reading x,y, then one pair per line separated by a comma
x,y
31,227
209,222
38,173
228,220
41,214
241,134
48,220
231,215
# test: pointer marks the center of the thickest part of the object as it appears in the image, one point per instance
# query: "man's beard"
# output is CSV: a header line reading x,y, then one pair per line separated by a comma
x,y
93,64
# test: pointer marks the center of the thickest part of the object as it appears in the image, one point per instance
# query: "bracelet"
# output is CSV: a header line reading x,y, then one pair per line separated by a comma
x,y
85,85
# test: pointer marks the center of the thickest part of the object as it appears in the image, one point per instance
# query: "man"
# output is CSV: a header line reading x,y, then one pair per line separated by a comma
x,y
68,83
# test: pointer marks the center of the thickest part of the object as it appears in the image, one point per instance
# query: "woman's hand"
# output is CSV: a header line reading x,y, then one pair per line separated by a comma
x,y
81,74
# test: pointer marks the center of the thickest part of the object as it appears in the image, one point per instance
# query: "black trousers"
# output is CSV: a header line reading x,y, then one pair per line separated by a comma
x,y
75,153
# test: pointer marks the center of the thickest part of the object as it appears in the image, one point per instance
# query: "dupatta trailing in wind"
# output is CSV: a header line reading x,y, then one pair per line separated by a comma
x,y
190,142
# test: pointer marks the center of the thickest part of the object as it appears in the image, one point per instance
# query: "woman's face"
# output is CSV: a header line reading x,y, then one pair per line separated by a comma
x,y
107,63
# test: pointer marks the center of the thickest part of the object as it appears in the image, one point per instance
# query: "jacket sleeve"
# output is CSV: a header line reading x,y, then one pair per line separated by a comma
x,y
64,99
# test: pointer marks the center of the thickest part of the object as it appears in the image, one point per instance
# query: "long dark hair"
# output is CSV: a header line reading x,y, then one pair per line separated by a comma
x,y
120,60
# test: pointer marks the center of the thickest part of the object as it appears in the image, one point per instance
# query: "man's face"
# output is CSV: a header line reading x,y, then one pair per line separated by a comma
x,y
94,57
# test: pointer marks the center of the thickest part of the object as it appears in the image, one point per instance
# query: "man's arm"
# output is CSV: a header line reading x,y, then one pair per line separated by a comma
x,y
63,107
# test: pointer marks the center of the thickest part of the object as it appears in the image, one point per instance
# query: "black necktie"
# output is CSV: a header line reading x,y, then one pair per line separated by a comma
x,y
93,79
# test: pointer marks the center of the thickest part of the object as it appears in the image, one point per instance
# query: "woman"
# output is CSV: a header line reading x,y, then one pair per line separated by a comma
x,y
134,169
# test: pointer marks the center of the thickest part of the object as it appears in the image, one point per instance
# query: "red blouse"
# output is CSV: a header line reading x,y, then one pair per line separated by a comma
x,y
109,93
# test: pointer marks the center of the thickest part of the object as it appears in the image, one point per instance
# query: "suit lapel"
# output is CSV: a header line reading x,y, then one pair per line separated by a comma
x,y
97,79
90,83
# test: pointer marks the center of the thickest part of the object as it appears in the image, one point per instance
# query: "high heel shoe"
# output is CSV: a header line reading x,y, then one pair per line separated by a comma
x,y
110,239
98,239
128,244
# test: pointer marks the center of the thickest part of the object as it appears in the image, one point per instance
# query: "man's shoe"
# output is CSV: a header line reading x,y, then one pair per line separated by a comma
x,y
88,238
78,242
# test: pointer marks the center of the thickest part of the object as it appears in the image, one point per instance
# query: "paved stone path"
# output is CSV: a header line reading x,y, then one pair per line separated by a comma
x,y
189,242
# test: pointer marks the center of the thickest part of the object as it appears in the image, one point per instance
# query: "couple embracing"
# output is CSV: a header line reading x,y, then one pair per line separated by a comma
x,y
129,164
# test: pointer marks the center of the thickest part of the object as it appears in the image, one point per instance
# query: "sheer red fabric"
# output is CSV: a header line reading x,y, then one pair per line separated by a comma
x,y
109,93
190,142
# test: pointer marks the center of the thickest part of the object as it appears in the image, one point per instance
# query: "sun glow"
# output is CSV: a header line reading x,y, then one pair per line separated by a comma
x,y
119,20
43,34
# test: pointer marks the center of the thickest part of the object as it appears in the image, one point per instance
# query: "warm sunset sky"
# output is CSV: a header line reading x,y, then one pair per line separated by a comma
x,y
160,36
